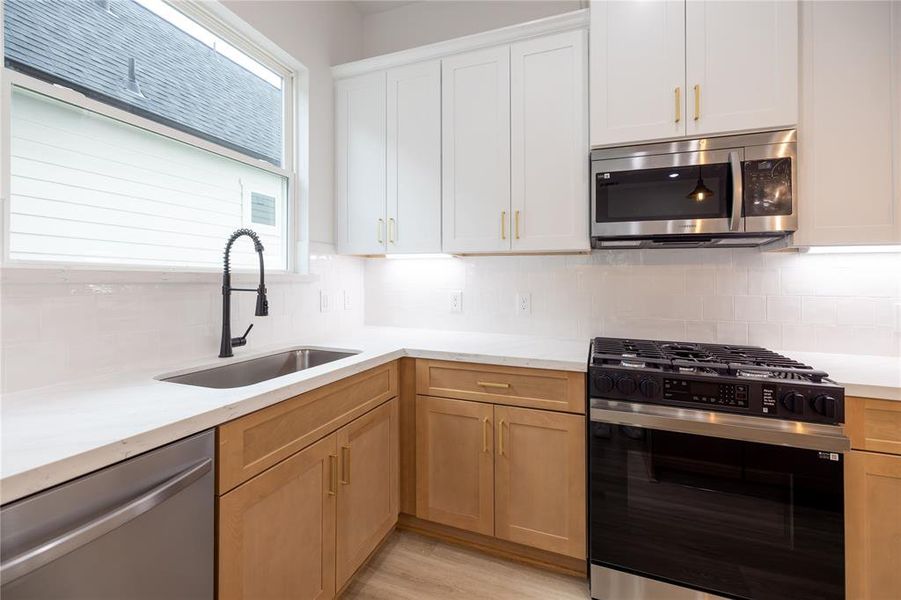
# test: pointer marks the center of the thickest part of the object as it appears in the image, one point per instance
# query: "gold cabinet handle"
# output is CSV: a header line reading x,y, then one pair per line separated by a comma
x,y
678,103
490,384
378,231
392,230
485,427
345,465
516,215
503,224
500,437
333,475
697,102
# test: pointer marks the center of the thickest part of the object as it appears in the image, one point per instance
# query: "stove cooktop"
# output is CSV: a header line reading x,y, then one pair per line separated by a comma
x,y
721,377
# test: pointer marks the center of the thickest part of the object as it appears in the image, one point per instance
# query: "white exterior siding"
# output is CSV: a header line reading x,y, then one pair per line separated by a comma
x,y
90,189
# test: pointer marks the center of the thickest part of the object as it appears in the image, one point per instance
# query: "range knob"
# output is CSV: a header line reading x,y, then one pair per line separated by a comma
x,y
603,383
625,384
793,401
824,404
649,388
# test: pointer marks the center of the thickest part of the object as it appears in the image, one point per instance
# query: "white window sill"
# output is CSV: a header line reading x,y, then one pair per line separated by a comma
x,y
48,274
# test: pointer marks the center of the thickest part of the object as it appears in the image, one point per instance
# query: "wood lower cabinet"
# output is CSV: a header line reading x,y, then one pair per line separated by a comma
x,y
539,479
368,492
455,463
873,526
277,531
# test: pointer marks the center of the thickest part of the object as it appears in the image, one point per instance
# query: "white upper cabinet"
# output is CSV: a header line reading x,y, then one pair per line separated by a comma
x,y
360,164
637,71
669,68
741,65
850,130
414,158
476,151
549,143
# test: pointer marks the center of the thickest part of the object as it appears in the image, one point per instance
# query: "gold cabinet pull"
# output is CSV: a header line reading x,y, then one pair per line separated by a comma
x,y
491,384
697,102
485,427
500,437
516,215
503,224
392,231
345,465
678,103
333,475
378,231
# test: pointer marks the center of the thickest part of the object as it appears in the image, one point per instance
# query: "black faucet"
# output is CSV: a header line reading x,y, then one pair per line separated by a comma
x,y
228,342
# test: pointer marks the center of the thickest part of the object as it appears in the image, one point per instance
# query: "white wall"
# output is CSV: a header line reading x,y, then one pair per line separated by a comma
x,y
319,34
826,303
432,21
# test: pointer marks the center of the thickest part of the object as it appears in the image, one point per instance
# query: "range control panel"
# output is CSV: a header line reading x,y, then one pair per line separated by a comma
x,y
704,392
799,401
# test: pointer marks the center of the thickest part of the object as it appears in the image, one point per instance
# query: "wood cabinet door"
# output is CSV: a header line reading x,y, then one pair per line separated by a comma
x,y
414,158
637,71
540,479
549,142
455,463
850,130
277,530
360,164
368,489
873,525
475,129
741,65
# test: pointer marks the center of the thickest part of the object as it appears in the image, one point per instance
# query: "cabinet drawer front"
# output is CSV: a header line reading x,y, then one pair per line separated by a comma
x,y
255,442
874,425
531,388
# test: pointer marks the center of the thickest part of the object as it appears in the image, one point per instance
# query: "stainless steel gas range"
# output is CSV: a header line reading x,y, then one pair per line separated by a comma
x,y
714,471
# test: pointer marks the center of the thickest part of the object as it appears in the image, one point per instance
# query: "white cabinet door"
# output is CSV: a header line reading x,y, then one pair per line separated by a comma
x,y
414,158
741,65
850,130
360,164
549,146
637,71
476,151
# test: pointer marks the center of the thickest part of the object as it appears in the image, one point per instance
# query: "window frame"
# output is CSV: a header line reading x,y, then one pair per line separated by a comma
x,y
295,106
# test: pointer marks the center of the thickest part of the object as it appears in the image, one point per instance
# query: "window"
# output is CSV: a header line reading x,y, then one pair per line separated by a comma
x,y
168,138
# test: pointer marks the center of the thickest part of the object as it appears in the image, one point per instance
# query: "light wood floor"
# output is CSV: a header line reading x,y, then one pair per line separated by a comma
x,y
410,566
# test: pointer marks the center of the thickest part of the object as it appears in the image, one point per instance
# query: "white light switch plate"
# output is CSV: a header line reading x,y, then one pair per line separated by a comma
x,y
524,304
347,301
456,301
324,305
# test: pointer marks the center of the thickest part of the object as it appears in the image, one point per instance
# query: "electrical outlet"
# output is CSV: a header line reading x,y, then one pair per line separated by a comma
x,y
456,301
524,304
347,302
324,305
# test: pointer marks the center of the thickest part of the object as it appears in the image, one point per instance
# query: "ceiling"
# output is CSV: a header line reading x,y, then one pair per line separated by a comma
x,y
367,7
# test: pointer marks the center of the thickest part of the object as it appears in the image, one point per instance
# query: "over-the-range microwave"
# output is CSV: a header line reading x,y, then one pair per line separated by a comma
x,y
734,191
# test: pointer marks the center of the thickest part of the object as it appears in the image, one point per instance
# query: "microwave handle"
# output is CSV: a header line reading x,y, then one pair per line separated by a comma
x,y
737,191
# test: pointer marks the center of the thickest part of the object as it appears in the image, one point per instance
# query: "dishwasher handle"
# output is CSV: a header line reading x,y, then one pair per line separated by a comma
x,y
37,557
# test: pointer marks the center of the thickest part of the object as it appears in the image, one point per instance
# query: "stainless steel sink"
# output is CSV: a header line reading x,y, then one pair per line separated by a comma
x,y
260,369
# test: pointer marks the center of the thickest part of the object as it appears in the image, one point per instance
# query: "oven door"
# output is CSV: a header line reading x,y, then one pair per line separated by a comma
x,y
670,510
653,195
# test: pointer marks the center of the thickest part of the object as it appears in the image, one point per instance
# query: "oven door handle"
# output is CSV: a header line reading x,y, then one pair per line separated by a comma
x,y
735,221
795,434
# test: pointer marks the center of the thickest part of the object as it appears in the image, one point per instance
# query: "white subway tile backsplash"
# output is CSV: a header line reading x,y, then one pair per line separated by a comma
x,y
857,311
818,310
731,332
732,281
718,308
783,309
750,308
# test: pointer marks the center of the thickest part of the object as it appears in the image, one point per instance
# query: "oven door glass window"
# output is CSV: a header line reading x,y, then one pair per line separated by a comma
x,y
739,519
664,194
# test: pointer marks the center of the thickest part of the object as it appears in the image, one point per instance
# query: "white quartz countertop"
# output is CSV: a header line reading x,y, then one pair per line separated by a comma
x,y
56,433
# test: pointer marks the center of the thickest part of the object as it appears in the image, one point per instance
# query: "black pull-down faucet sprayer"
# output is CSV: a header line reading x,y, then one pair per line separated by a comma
x,y
262,309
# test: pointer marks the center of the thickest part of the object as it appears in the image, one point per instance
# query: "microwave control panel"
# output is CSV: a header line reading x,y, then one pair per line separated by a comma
x,y
768,187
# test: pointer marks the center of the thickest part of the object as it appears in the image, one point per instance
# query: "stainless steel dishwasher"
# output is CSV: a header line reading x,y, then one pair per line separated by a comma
x,y
139,530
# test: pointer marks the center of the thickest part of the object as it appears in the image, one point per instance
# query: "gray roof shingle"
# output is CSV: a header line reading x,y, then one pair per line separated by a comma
x,y
184,82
